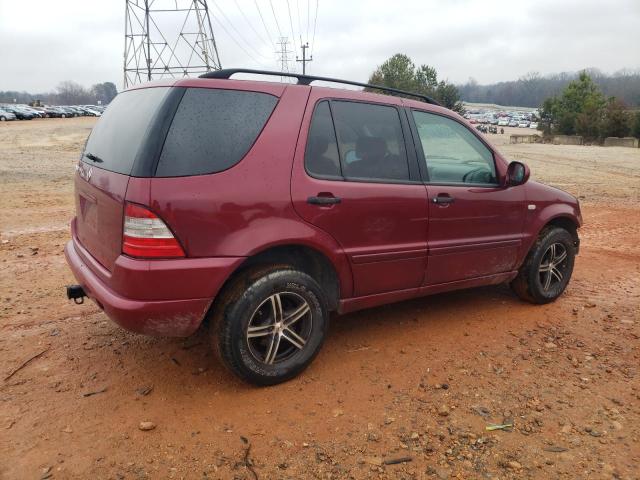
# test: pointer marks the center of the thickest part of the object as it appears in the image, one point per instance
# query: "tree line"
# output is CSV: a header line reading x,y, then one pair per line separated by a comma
x,y
532,89
583,109
401,73
66,93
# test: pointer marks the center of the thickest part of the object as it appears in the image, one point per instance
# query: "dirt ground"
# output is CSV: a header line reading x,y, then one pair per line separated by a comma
x,y
401,391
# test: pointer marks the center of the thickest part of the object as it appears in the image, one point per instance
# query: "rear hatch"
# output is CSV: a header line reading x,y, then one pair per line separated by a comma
x,y
114,151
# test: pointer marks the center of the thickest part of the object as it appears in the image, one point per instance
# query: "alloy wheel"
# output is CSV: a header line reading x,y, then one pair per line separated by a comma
x,y
279,328
553,266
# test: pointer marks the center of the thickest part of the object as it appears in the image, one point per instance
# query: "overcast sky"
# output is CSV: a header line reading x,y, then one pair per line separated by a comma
x,y
43,42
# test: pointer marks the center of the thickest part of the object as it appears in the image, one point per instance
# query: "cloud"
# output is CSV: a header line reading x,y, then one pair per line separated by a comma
x,y
45,42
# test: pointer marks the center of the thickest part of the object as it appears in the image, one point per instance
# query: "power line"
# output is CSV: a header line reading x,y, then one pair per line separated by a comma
x,y
308,8
264,24
293,34
315,22
268,42
275,18
237,31
298,15
236,42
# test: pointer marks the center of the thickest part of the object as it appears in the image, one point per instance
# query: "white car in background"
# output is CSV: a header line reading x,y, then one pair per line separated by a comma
x,y
5,115
523,124
503,122
533,125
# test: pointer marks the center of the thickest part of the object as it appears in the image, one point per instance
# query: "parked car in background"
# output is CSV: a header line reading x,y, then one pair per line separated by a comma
x,y
70,111
503,122
261,207
6,115
533,125
54,112
93,111
513,123
19,113
523,124
26,108
77,112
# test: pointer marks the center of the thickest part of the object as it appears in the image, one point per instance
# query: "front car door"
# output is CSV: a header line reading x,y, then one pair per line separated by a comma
x,y
356,177
475,223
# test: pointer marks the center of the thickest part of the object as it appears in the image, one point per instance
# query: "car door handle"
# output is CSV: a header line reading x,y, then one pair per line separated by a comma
x,y
443,199
324,200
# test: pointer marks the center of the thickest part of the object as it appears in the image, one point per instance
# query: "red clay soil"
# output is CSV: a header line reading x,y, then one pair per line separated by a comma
x,y
402,391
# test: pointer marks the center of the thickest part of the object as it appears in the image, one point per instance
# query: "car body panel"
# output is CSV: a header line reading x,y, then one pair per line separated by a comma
x,y
386,242
382,227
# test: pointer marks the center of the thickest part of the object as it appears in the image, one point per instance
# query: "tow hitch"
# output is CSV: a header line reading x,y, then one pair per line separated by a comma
x,y
76,293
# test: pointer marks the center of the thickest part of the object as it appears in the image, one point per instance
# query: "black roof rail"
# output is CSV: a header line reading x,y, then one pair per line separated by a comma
x,y
307,79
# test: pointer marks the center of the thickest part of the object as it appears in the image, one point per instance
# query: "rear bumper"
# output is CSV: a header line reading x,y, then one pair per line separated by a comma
x,y
162,311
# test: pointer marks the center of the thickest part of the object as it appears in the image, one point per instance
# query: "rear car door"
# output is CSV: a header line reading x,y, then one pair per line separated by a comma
x,y
103,172
475,223
356,177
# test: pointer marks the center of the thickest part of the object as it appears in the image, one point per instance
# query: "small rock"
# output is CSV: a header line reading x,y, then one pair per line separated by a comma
x,y
67,429
443,411
144,391
146,426
513,465
338,412
377,461
550,346
442,473
616,425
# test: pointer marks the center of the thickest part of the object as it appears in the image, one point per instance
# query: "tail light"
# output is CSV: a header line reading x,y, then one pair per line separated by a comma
x,y
145,235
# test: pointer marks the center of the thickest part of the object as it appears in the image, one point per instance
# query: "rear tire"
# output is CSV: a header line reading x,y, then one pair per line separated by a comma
x,y
269,324
546,271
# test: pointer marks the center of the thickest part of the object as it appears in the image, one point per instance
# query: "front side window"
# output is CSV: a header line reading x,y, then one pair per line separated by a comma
x,y
370,140
452,153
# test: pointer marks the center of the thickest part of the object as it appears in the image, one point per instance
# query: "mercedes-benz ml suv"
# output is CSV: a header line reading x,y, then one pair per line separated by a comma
x,y
261,207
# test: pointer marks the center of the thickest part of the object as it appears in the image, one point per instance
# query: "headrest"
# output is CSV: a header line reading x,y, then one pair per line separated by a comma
x,y
368,146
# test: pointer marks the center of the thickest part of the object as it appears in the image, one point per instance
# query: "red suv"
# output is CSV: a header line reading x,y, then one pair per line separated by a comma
x,y
262,207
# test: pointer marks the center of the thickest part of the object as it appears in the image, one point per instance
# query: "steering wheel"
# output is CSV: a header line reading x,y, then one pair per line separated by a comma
x,y
471,173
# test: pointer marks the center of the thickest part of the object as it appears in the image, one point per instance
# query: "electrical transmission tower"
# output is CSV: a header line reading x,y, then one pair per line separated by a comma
x,y
283,54
167,38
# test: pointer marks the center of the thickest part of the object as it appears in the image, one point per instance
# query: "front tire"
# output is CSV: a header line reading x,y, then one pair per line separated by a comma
x,y
269,324
546,271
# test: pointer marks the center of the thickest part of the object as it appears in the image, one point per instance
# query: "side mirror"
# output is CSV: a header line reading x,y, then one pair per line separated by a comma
x,y
517,174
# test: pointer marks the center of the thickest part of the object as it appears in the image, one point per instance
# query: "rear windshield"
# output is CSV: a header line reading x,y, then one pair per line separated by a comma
x,y
117,137
213,130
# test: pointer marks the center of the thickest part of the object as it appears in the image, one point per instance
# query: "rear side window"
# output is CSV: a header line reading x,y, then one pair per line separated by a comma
x,y
213,130
321,156
116,139
370,141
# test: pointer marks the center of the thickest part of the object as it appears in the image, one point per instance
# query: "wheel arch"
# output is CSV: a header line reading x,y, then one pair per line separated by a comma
x,y
567,223
302,257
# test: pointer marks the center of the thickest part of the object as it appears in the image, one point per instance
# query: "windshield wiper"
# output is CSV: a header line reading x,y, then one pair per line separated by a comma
x,y
93,158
